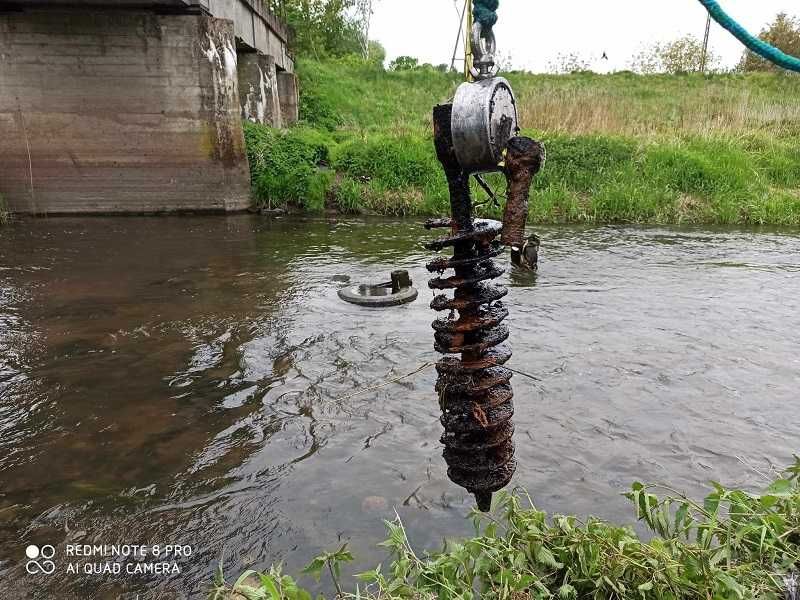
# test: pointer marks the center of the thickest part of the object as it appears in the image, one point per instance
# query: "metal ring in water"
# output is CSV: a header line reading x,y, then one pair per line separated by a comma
x,y
377,296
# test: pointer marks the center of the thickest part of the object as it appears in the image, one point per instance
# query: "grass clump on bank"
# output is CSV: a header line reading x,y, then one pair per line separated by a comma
x,y
621,148
734,545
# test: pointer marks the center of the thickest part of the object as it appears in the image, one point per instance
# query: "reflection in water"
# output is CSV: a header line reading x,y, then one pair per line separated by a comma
x,y
522,277
191,380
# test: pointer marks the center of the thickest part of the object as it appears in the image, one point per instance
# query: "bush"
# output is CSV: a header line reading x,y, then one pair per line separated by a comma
x,y
700,168
621,148
397,162
317,111
684,55
348,195
580,162
589,178
284,166
784,34
404,63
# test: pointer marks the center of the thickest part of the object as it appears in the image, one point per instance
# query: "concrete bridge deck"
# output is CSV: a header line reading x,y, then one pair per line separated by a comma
x,y
136,105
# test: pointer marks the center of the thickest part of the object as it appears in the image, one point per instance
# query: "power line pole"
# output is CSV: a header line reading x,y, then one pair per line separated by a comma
x,y
365,8
458,37
704,55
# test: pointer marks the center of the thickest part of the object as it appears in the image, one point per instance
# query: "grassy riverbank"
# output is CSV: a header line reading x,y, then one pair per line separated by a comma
x,y
734,545
621,148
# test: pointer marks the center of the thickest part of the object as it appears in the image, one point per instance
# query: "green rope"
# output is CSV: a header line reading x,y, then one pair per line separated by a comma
x,y
485,12
760,47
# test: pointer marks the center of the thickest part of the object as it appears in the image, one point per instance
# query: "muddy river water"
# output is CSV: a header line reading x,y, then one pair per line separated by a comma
x,y
194,381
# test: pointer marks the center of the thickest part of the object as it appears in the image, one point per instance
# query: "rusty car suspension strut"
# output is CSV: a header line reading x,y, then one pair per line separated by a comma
x,y
474,387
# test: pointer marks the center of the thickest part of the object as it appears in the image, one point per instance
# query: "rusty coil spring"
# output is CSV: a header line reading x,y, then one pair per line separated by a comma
x,y
474,389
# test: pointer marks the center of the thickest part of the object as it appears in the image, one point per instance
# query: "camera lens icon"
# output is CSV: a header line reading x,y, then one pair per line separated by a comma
x,y
40,559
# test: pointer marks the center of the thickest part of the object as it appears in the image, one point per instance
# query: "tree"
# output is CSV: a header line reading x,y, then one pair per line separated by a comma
x,y
684,55
323,28
783,33
377,53
363,12
403,63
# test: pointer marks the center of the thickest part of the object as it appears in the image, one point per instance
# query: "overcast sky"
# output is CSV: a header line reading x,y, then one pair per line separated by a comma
x,y
533,32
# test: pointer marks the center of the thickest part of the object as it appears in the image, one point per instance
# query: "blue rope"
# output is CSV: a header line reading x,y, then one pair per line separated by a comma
x,y
485,12
760,47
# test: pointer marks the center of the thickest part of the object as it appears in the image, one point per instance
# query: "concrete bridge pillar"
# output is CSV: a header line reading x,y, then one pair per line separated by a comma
x,y
119,111
258,89
288,92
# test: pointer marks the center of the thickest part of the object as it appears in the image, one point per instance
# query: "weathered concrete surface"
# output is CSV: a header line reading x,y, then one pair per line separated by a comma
x,y
255,27
119,111
289,94
258,89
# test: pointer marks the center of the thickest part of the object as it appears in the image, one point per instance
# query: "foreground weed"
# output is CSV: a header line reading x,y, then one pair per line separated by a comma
x,y
733,545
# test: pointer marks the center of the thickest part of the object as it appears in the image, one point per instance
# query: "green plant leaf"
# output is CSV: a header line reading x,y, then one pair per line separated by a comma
x,y
219,576
730,583
545,557
567,592
251,593
314,568
268,584
781,488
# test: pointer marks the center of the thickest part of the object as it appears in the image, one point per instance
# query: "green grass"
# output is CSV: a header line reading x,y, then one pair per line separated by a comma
x,y
733,545
621,148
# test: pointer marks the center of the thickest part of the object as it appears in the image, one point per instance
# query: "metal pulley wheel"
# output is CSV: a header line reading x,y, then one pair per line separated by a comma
x,y
484,119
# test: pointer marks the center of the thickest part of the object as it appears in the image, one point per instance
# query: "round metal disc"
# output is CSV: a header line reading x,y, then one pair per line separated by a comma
x,y
379,298
484,119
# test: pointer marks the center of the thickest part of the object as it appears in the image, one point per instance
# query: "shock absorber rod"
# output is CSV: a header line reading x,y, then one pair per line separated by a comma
x,y
474,388
476,134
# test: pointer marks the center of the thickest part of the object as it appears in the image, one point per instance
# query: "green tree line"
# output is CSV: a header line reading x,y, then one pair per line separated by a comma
x,y
328,28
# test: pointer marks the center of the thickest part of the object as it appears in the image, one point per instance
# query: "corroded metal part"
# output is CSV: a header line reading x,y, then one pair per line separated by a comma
x,y
495,357
485,269
382,295
482,230
488,317
524,158
440,265
481,294
474,389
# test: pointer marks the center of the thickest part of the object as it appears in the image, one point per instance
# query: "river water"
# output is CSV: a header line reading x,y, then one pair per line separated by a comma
x,y
193,380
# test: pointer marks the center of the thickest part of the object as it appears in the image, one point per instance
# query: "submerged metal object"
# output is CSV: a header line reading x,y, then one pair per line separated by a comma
x,y
474,388
392,293
527,255
483,120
